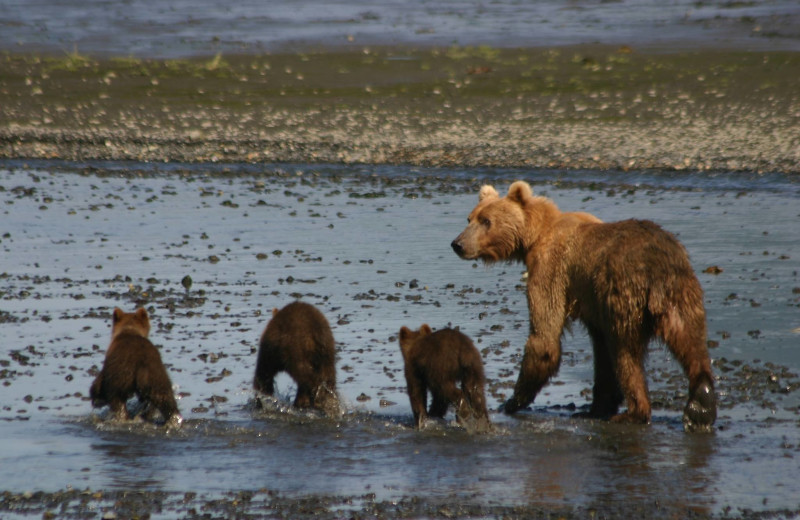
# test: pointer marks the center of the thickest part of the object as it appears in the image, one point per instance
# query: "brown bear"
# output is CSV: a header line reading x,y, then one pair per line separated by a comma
x,y
133,366
627,281
435,362
299,341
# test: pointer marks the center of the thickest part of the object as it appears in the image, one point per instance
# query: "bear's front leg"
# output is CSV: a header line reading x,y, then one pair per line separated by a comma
x,y
539,363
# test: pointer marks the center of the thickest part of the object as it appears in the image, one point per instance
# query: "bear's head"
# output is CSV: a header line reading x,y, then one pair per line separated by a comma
x,y
408,338
137,323
499,227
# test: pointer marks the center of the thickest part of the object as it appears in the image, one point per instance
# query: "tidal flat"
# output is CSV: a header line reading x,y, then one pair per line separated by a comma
x,y
577,107
369,245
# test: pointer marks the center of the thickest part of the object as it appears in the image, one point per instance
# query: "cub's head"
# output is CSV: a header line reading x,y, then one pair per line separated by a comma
x,y
496,227
408,338
137,322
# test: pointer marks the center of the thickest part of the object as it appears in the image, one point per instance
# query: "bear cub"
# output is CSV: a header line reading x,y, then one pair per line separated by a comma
x,y
133,366
435,362
298,340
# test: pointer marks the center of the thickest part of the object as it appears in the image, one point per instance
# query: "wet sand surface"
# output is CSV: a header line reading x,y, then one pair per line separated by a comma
x,y
591,107
369,246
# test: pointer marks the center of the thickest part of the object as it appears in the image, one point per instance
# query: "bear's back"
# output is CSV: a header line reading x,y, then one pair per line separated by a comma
x,y
300,329
130,350
445,351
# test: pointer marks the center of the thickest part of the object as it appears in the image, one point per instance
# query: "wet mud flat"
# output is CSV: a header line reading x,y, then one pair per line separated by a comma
x,y
579,107
369,245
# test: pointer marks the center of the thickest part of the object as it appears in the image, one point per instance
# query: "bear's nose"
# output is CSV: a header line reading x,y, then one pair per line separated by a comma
x,y
456,245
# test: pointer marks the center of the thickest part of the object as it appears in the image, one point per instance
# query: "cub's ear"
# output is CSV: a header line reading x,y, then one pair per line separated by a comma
x,y
142,317
274,311
117,314
519,192
487,192
425,329
405,332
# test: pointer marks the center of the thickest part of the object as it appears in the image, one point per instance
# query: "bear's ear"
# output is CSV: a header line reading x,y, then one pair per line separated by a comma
x,y
425,329
405,332
519,192
142,317
274,311
117,315
487,192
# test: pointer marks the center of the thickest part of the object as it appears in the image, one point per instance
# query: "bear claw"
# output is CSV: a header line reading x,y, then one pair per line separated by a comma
x,y
701,409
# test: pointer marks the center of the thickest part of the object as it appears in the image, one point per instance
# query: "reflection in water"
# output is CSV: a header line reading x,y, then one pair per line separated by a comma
x,y
130,455
668,468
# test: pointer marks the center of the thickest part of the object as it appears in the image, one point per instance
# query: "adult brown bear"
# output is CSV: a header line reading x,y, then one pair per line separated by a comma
x,y
299,341
133,366
627,281
435,362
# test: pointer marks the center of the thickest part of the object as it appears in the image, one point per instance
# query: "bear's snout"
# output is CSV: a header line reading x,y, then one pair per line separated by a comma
x,y
457,247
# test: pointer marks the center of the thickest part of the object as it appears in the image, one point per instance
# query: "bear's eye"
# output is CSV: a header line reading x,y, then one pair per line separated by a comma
x,y
485,221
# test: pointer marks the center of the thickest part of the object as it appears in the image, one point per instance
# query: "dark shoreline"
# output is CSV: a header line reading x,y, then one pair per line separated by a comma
x,y
586,107
263,503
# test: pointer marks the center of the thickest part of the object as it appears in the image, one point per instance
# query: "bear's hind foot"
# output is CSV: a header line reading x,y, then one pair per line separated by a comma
x,y
510,407
630,418
701,409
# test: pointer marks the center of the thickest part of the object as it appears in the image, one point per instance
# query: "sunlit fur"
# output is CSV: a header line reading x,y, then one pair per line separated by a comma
x,y
628,282
436,362
298,340
133,366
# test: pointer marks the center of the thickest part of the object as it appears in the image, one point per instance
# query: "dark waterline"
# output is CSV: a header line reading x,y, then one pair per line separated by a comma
x,y
150,28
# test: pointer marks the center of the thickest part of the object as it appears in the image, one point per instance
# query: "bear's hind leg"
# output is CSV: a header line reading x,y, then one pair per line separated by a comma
x,y
119,408
448,393
472,388
305,396
266,369
701,409
418,397
438,406
630,373
165,403
606,393
686,339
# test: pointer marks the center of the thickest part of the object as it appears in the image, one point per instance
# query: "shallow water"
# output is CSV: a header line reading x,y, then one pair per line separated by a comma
x,y
78,240
151,28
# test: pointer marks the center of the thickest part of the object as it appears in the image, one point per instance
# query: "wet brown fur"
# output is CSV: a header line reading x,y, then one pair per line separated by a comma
x,y
133,366
628,282
299,341
435,362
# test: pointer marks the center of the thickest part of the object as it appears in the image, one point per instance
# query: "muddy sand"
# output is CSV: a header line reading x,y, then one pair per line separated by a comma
x,y
357,242
590,107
